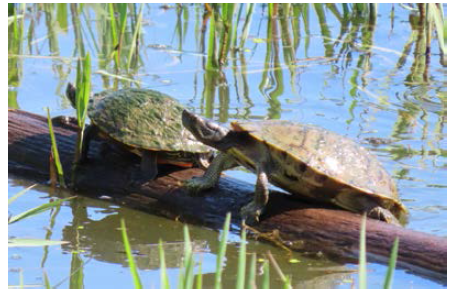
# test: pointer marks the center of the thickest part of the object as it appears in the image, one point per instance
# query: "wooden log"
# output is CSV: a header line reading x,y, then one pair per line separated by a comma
x,y
303,226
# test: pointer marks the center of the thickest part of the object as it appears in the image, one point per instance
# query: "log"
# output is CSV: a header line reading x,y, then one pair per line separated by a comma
x,y
302,226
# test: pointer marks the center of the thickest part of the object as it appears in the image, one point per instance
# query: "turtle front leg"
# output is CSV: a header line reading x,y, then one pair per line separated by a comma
x,y
149,165
250,213
221,162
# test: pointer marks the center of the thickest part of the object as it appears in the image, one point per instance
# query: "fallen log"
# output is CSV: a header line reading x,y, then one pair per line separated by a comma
x,y
303,226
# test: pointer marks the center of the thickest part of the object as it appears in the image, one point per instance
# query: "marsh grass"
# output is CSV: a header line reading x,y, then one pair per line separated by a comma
x,y
15,242
188,280
54,155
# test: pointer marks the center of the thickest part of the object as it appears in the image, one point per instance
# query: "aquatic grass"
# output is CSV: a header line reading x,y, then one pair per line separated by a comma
x,y
55,153
285,279
362,270
247,23
132,55
212,63
24,242
391,267
131,263
37,210
83,90
18,242
164,279
226,32
188,264
199,277
266,275
20,193
47,284
435,15
240,281
76,271
221,252
251,276
114,34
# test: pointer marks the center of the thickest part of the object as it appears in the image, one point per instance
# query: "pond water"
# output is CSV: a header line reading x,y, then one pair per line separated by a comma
x,y
373,84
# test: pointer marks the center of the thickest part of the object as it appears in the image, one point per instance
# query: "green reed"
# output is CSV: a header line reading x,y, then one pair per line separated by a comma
x,y
54,155
131,263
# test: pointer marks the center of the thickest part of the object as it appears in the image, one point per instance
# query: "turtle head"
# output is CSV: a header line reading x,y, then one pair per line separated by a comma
x,y
205,131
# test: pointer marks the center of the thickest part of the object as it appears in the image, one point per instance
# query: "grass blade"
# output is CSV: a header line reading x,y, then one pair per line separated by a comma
x,y
55,152
266,275
188,261
286,280
20,193
37,210
362,255
391,268
240,281
126,244
222,250
199,278
136,34
17,242
251,277
162,267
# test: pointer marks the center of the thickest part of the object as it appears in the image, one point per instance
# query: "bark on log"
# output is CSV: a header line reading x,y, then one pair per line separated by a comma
x,y
305,226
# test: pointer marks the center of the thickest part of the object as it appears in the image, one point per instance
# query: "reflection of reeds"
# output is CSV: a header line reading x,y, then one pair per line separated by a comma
x,y
112,33
245,278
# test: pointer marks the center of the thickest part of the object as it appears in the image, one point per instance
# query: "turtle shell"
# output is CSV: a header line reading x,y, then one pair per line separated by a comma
x,y
143,119
312,161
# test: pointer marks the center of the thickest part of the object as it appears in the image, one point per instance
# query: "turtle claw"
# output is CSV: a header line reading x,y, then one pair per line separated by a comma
x,y
250,213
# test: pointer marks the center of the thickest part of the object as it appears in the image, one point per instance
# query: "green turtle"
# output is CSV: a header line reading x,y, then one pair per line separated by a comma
x,y
147,123
305,160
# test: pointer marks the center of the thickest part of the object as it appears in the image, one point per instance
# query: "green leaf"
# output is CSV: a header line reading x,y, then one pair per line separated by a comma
x,y
133,268
362,255
20,193
162,267
37,210
221,253
17,242
391,267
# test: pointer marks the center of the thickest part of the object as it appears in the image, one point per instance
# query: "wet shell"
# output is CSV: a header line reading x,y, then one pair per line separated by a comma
x,y
143,119
321,164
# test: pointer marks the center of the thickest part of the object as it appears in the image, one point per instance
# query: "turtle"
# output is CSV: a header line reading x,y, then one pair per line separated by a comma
x,y
306,160
145,122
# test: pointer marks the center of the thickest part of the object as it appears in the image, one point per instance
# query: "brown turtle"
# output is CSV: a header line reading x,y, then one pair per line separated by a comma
x,y
304,160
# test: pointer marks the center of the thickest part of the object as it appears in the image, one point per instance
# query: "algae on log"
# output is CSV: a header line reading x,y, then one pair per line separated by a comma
x,y
307,227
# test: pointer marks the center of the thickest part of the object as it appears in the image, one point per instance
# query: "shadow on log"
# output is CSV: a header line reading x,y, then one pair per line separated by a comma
x,y
306,227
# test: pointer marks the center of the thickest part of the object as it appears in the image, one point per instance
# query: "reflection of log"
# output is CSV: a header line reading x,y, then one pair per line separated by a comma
x,y
307,227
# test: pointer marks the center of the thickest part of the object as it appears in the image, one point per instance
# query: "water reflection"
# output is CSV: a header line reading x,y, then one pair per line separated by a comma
x,y
371,72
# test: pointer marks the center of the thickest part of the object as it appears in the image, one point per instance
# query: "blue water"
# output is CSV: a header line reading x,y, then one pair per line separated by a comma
x,y
355,92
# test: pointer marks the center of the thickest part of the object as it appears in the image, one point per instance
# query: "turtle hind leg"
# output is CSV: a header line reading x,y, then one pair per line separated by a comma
x,y
250,213
383,214
361,203
148,169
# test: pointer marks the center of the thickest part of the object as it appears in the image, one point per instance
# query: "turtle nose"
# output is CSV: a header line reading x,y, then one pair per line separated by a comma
x,y
187,118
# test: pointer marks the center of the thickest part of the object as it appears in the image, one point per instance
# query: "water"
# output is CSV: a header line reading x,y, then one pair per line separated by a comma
x,y
359,83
